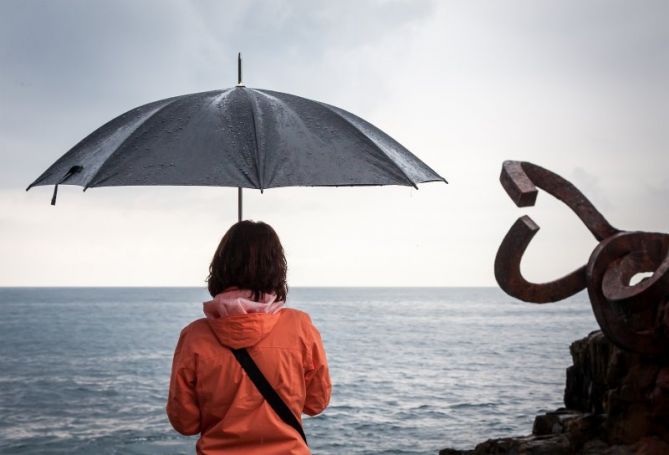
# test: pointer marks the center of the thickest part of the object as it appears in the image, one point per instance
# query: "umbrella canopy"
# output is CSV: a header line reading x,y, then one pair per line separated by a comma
x,y
239,137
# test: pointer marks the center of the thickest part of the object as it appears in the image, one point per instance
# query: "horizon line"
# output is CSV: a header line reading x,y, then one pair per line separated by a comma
x,y
204,287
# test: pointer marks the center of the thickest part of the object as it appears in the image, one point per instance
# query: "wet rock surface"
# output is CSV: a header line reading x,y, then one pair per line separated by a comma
x,y
617,402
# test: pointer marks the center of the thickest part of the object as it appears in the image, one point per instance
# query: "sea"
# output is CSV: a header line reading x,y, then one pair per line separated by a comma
x,y
414,370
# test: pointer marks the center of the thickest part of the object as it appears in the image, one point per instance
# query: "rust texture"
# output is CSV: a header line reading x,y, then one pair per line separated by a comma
x,y
634,316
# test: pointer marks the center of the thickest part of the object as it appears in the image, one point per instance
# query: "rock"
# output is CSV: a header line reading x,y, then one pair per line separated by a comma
x,y
620,385
617,403
659,397
594,447
583,428
551,445
529,445
651,446
554,422
591,376
455,452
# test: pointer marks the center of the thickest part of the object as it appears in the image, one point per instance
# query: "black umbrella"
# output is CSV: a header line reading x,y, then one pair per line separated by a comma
x,y
238,137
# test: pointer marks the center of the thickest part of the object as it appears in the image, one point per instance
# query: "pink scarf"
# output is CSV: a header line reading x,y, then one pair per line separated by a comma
x,y
235,301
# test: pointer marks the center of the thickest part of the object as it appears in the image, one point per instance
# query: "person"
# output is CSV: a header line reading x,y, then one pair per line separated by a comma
x,y
210,393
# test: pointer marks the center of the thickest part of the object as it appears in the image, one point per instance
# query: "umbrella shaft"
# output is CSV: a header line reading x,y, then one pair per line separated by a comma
x,y
239,204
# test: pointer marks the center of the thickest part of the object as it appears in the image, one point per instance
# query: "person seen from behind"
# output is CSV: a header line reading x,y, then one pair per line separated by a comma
x,y
210,393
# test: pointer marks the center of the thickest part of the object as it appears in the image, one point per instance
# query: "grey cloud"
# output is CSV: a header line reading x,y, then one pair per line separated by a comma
x,y
70,52
576,86
624,40
69,66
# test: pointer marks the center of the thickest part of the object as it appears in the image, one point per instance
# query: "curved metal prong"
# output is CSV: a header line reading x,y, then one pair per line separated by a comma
x,y
511,280
517,184
627,313
519,179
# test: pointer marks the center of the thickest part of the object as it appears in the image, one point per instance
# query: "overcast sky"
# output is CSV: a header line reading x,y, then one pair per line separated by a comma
x,y
579,87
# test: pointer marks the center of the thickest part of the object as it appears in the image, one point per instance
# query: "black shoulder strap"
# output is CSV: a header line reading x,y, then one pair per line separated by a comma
x,y
267,391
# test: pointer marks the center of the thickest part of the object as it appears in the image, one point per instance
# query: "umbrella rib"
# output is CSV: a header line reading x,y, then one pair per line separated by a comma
x,y
123,142
251,103
369,140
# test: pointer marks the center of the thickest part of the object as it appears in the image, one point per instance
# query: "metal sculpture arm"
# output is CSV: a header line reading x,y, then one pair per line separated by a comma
x,y
520,180
634,317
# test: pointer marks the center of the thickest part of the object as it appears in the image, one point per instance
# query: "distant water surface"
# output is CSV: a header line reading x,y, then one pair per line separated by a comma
x,y
86,371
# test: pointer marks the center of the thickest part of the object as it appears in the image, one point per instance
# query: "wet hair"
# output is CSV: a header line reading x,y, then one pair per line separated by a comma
x,y
250,256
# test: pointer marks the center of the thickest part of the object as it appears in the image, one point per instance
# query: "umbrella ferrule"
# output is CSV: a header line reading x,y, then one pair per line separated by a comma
x,y
239,70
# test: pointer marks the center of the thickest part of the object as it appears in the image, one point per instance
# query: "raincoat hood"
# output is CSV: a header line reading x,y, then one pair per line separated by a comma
x,y
240,322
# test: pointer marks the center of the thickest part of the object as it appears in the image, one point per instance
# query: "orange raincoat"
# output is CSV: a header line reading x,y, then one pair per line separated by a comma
x,y
211,394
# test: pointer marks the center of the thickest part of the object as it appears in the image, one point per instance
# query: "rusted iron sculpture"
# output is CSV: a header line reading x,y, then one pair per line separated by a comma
x,y
634,317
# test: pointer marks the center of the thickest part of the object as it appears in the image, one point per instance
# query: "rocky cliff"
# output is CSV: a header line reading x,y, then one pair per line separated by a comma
x,y
616,402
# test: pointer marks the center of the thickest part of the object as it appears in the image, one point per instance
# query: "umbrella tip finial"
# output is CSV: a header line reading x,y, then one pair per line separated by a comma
x,y
239,70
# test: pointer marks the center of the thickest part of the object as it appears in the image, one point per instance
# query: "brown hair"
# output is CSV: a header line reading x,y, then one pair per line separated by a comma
x,y
250,256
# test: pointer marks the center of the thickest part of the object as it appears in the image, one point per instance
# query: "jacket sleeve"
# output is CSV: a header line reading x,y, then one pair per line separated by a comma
x,y
183,410
317,374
